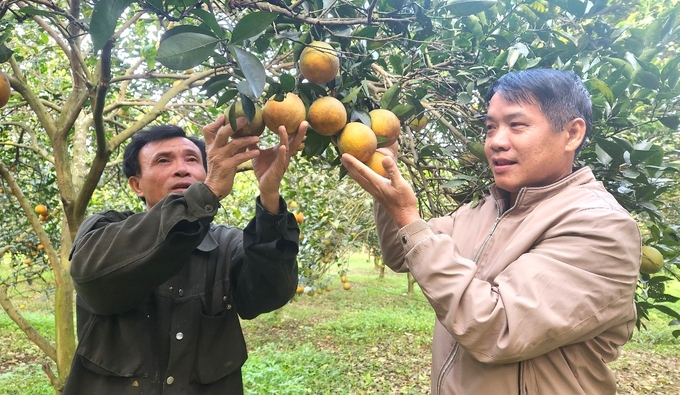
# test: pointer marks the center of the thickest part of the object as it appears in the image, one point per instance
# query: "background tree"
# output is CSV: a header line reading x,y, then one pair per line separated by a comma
x,y
85,78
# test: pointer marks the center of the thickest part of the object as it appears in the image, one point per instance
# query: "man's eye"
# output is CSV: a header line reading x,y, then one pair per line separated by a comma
x,y
193,159
517,125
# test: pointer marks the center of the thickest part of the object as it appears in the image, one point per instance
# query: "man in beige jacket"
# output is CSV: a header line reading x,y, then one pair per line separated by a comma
x,y
533,288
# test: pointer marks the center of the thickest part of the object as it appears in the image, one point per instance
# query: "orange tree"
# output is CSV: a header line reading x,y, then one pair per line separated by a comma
x,y
436,59
87,77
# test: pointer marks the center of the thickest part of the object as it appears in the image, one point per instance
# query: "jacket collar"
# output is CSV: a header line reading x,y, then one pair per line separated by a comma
x,y
531,196
208,243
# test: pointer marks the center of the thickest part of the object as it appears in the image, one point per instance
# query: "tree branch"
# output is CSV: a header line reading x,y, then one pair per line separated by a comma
x,y
31,333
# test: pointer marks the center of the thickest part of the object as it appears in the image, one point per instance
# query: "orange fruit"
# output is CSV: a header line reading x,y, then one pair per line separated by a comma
x,y
41,209
290,113
652,260
375,163
343,279
386,126
300,289
41,247
357,140
327,115
346,286
44,217
299,217
417,124
5,89
254,128
319,62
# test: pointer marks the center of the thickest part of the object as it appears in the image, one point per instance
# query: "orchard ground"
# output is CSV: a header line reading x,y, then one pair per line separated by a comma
x,y
372,339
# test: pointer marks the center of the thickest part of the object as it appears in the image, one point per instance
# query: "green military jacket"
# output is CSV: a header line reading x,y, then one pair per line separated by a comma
x,y
159,294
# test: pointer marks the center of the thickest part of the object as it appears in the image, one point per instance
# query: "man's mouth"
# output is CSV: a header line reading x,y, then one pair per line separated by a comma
x,y
181,186
501,163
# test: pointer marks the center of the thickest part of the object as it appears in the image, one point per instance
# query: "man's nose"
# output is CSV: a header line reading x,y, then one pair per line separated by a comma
x,y
499,139
181,168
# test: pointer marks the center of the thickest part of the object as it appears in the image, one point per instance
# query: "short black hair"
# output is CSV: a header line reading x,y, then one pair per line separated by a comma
x,y
131,166
561,95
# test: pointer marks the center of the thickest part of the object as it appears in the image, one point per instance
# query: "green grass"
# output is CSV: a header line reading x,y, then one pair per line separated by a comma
x,y
373,339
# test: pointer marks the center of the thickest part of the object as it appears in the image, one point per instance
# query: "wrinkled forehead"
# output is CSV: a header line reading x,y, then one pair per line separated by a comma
x,y
175,146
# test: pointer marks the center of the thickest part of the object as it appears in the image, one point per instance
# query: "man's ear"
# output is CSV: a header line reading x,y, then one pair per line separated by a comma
x,y
134,184
576,130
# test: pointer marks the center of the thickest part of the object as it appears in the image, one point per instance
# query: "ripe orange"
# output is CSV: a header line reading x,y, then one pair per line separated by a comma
x,y
346,286
254,128
357,140
44,217
386,126
319,62
290,113
343,279
5,89
300,289
327,115
41,247
375,163
299,217
41,209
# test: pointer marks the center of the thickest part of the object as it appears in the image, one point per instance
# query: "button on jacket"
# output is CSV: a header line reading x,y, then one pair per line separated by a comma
x,y
533,299
159,295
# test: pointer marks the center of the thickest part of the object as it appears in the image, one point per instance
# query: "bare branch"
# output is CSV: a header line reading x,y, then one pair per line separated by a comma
x,y
31,333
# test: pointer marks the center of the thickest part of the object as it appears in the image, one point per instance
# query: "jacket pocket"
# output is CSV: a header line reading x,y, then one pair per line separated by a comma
x,y
106,345
221,347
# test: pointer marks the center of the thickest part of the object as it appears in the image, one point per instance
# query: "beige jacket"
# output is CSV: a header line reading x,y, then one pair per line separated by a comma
x,y
532,299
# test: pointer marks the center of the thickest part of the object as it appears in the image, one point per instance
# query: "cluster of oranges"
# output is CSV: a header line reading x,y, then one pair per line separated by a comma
x,y
327,116
43,212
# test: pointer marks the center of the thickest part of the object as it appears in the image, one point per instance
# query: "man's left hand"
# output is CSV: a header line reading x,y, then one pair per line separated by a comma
x,y
271,164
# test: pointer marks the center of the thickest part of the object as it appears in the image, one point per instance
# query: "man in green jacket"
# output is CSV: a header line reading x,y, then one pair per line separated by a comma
x,y
533,287
159,293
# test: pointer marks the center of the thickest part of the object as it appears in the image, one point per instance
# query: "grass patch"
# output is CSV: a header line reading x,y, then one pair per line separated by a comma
x,y
373,339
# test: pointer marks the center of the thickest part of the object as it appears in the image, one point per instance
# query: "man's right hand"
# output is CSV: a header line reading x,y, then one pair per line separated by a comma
x,y
393,193
224,155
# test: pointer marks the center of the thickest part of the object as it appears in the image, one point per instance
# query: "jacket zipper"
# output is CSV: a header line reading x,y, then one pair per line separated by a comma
x,y
449,360
520,379
447,365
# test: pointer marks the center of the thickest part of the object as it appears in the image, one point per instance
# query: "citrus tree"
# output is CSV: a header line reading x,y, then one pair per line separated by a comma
x,y
85,78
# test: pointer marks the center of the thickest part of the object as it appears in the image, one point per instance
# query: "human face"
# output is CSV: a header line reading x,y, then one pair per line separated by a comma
x,y
522,147
167,166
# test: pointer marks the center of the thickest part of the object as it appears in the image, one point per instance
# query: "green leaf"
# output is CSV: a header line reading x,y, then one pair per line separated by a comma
x,y
604,89
226,96
647,79
477,149
5,53
186,49
653,156
103,22
315,144
351,95
252,25
252,69
469,7
216,84
210,21
403,112
390,98
367,32
34,11
671,122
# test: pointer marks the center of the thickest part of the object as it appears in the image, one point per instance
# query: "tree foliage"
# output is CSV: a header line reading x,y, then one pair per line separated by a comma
x,y
86,77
